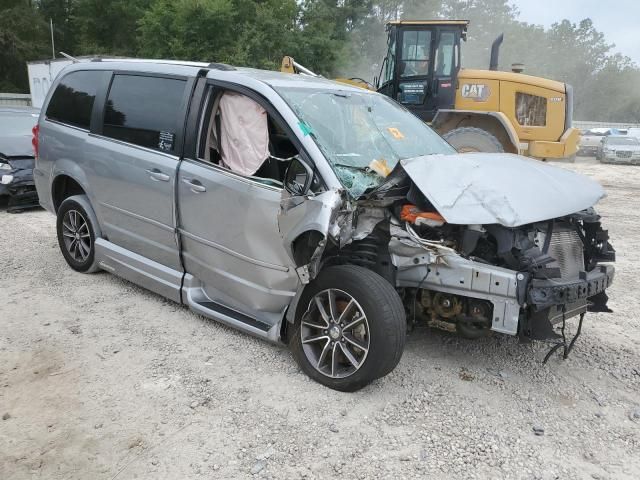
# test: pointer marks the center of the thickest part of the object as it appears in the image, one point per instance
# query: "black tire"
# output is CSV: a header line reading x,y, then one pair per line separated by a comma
x,y
82,260
473,139
385,318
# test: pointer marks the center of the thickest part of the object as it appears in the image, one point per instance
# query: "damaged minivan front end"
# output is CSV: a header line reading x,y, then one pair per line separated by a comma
x,y
478,242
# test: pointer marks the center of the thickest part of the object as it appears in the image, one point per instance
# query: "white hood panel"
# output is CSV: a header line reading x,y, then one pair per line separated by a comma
x,y
505,189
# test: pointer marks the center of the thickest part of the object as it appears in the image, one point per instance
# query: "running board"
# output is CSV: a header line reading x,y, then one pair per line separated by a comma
x,y
200,303
137,269
241,317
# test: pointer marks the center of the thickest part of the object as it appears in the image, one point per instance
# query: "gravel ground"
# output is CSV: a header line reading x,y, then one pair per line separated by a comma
x,y
101,379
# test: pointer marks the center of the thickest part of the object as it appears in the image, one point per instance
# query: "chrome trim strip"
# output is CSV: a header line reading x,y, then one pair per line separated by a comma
x,y
155,223
229,173
133,145
224,249
58,122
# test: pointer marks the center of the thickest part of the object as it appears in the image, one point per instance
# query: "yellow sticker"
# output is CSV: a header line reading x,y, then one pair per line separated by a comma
x,y
380,167
397,134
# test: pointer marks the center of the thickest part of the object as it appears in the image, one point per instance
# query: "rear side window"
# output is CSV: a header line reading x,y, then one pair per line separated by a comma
x,y
73,99
144,111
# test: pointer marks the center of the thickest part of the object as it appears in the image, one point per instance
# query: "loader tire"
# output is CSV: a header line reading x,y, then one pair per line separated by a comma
x,y
473,139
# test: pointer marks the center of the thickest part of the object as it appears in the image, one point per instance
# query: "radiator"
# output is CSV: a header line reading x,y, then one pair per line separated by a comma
x,y
568,251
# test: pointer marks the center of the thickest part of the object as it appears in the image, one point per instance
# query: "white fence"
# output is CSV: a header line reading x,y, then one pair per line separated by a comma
x,y
15,100
587,125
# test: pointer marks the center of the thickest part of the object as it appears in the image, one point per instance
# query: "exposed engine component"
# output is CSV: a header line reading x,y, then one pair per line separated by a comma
x,y
545,270
471,316
445,305
371,252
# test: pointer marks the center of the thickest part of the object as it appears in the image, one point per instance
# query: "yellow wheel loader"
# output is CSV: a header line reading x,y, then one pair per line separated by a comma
x,y
474,110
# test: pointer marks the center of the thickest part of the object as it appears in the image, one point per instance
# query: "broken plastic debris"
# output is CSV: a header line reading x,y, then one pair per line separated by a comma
x,y
380,167
412,214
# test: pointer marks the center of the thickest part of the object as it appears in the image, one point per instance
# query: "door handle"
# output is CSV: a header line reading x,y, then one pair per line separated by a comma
x,y
195,185
158,176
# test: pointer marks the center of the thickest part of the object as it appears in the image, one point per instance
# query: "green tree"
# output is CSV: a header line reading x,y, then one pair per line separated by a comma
x,y
24,36
332,37
63,15
242,32
108,27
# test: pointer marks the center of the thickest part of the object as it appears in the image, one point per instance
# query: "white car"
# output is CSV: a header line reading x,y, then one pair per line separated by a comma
x,y
621,149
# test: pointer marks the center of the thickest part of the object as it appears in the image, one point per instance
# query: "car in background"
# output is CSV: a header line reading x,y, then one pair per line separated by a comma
x,y
634,132
621,149
590,141
17,157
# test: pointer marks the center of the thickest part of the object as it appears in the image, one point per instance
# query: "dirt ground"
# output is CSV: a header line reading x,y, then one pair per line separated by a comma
x,y
100,379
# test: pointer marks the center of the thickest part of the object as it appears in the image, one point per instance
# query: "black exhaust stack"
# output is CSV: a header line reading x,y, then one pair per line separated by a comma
x,y
495,52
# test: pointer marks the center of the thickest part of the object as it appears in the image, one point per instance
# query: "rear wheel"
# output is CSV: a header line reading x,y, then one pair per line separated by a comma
x,y
350,330
473,139
76,236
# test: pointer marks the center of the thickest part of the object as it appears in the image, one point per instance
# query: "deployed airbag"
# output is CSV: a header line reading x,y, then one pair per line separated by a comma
x,y
505,189
244,133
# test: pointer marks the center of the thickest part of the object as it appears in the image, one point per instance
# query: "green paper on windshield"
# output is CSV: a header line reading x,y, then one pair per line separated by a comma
x,y
306,129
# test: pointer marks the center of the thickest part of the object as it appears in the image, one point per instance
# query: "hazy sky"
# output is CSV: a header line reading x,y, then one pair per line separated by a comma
x,y
617,20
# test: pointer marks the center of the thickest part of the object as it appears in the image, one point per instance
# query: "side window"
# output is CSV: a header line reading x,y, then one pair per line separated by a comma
x,y
531,110
240,135
445,55
72,101
390,65
144,111
415,53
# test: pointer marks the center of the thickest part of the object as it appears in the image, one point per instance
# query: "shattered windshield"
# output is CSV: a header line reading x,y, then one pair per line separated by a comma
x,y
363,135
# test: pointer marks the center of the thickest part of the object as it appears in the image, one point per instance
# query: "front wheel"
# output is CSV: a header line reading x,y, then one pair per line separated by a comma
x,y
350,328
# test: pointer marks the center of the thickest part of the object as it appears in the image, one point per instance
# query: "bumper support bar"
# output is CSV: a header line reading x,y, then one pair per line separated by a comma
x,y
563,344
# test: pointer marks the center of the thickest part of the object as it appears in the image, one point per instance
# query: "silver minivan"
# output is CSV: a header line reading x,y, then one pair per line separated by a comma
x,y
310,212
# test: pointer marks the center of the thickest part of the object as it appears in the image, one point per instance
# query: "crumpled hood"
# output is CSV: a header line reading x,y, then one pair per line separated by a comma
x,y
499,188
16,145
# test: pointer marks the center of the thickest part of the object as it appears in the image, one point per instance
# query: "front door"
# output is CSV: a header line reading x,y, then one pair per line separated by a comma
x,y
230,240
426,71
445,71
414,70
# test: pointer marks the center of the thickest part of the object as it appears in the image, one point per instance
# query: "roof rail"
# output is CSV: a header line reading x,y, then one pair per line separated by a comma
x,y
220,66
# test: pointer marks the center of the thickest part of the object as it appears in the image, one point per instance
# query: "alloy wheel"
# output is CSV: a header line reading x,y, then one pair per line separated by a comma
x,y
335,334
76,235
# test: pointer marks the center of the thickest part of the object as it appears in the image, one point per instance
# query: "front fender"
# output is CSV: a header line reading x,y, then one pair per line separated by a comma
x,y
300,214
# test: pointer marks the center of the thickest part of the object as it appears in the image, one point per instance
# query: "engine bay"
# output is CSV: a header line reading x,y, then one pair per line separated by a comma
x,y
520,280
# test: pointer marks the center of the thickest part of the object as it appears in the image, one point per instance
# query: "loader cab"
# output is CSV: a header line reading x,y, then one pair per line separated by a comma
x,y
421,67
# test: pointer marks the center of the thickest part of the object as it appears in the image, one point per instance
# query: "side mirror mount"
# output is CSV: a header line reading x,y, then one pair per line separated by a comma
x,y
298,177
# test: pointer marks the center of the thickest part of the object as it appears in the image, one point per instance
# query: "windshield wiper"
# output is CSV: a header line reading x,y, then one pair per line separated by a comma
x,y
353,167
